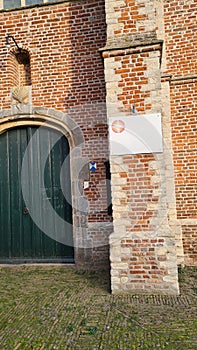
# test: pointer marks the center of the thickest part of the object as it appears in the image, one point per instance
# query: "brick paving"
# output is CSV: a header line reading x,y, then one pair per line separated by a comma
x,y
60,308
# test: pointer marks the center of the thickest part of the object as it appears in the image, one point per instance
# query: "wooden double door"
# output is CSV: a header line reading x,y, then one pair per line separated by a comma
x,y
35,196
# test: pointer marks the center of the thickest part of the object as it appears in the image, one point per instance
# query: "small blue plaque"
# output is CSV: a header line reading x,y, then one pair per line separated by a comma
x,y
92,167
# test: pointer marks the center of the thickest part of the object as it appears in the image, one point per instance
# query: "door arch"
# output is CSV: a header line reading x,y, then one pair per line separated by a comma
x,y
28,115
21,240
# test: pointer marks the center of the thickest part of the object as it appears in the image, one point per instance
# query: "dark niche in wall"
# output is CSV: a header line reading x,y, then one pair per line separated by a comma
x,y
24,67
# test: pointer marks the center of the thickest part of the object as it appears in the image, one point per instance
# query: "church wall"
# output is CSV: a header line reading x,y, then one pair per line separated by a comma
x,y
63,41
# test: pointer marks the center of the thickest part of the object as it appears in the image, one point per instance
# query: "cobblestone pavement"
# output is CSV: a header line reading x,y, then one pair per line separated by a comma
x,y
60,308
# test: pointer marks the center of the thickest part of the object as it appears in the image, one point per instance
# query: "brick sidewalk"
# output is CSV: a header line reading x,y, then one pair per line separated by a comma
x,y
60,308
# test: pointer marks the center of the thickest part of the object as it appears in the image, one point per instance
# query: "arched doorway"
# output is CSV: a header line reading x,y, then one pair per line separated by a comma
x,y
24,238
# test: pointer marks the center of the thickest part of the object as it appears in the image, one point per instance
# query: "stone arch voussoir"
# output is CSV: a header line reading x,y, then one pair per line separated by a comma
x,y
21,115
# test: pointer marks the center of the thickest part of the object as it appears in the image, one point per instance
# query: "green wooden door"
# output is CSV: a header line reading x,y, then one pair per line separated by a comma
x,y
35,196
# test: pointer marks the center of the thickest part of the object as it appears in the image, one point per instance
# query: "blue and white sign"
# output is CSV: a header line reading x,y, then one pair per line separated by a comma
x,y
92,167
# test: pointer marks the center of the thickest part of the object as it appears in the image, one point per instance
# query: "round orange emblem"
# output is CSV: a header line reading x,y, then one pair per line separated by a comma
x,y
118,126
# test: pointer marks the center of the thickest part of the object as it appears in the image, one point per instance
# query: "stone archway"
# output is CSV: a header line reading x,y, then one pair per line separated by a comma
x,y
25,115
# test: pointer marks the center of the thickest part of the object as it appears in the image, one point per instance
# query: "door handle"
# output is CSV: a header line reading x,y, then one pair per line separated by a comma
x,y
25,211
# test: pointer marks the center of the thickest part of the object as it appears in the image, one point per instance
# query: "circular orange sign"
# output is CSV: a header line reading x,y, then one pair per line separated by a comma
x,y
118,126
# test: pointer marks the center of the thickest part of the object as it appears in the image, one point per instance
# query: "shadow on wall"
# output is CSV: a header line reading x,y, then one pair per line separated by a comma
x,y
21,68
84,101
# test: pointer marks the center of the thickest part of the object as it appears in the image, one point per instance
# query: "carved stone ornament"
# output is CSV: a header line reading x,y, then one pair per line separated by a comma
x,y
20,94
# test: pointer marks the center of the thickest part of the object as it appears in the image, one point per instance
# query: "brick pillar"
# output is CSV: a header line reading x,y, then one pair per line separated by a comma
x,y
142,246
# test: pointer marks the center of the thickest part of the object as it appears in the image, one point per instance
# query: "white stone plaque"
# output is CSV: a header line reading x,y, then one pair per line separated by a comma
x,y
136,134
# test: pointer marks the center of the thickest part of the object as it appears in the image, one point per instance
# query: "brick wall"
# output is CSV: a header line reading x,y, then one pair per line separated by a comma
x,y
135,194
145,267
63,42
66,74
181,36
13,69
149,56
129,16
190,244
183,109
